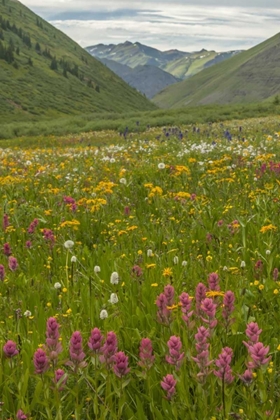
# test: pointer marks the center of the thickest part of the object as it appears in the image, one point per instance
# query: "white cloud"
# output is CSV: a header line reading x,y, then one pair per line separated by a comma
x,y
164,24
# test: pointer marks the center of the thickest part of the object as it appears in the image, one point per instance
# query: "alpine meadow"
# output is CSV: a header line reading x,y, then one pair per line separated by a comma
x,y
139,246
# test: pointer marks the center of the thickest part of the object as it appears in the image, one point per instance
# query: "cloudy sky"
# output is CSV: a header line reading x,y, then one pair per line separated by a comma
x,y
188,25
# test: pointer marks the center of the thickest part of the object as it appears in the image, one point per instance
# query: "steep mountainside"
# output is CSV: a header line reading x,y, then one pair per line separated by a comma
x,y
250,76
43,73
149,80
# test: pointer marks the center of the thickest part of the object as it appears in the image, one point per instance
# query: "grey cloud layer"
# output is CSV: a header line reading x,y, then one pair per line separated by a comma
x,y
163,24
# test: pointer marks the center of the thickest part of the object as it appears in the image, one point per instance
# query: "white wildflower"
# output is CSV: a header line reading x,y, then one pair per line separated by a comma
x,y
161,165
103,314
149,253
57,285
184,263
175,259
68,244
123,181
97,269
73,259
114,279
243,264
113,298
27,313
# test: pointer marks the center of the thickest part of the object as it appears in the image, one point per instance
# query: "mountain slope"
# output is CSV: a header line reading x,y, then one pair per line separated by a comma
x,y
44,73
250,76
178,63
149,80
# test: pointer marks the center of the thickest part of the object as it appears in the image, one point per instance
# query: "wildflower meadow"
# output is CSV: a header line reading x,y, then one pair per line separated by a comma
x,y
139,279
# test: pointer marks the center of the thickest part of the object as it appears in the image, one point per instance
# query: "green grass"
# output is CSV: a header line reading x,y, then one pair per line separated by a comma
x,y
36,92
118,122
248,77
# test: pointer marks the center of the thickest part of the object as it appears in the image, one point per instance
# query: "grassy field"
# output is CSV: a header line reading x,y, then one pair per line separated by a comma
x,y
140,278
250,76
135,122
31,90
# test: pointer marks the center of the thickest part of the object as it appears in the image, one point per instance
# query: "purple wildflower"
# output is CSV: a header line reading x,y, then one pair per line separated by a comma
x,y
76,351
169,294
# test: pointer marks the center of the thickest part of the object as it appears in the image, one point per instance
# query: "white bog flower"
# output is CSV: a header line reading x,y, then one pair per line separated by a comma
x,y
268,252
175,259
161,165
123,181
27,313
114,279
57,285
68,244
243,264
103,314
97,269
184,263
113,298
149,253
73,259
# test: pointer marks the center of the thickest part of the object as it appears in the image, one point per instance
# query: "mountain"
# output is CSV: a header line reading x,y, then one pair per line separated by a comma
x,y
250,76
178,63
44,73
149,80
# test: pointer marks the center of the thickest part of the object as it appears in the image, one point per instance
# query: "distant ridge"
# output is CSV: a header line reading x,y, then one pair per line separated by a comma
x,y
178,63
251,76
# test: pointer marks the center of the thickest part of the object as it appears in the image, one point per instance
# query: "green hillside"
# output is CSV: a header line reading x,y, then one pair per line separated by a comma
x,y
250,76
44,73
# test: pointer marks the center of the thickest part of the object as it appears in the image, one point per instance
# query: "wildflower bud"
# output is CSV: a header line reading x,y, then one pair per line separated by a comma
x,y
109,349
146,354
169,294
95,340
175,357
5,222
13,264
175,260
97,269
7,249
61,378
2,272
242,264
73,259
10,349
40,361
253,332
21,415
168,384
121,364
275,274
213,281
